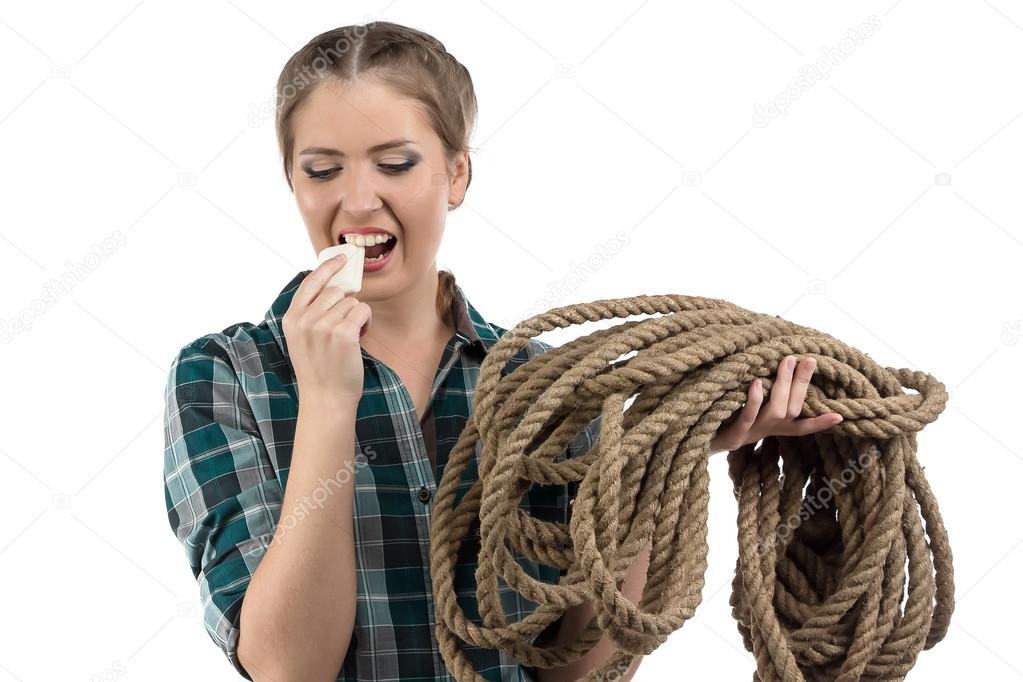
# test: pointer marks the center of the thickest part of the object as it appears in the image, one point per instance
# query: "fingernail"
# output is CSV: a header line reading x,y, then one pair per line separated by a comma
x,y
836,419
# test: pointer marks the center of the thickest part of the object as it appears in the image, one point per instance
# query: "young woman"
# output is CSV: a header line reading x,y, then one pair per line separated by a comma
x,y
306,523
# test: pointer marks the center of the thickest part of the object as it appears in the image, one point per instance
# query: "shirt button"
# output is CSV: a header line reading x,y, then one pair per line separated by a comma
x,y
424,494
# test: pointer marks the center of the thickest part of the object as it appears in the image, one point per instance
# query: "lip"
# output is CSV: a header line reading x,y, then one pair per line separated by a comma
x,y
371,229
373,267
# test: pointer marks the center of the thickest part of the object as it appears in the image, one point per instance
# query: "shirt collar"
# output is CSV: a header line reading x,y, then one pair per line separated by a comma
x,y
469,323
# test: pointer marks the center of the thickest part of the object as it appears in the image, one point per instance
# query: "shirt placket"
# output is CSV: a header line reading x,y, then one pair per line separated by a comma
x,y
422,479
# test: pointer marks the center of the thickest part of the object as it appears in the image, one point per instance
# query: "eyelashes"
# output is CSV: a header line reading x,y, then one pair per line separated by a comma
x,y
390,168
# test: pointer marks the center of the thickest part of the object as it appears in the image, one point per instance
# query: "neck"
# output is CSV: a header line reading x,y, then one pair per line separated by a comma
x,y
408,317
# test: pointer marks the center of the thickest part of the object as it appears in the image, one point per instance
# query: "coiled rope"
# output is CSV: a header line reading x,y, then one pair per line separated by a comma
x,y
834,528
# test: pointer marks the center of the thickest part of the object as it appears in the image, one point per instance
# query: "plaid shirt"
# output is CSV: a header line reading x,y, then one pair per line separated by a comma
x,y
229,429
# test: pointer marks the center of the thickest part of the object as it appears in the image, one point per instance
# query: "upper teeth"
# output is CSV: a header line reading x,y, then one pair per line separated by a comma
x,y
366,239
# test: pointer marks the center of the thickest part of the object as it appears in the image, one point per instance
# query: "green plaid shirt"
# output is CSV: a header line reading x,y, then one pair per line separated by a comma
x,y
229,429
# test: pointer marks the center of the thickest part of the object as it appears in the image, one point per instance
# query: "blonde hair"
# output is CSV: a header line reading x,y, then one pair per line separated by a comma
x,y
411,62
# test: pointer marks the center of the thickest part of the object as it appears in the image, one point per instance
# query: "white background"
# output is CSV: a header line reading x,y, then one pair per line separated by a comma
x,y
881,207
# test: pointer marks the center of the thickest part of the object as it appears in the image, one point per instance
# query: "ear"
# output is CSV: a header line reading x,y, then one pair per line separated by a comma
x,y
458,179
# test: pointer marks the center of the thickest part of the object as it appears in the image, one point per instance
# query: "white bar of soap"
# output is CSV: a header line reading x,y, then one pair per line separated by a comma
x,y
349,278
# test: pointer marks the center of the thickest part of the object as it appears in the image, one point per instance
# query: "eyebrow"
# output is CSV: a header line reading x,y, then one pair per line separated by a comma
x,y
375,148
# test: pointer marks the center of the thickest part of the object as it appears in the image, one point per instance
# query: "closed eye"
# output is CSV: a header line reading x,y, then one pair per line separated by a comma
x,y
398,167
327,173
320,175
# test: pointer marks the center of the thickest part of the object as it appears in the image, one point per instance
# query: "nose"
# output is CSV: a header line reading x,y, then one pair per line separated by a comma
x,y
359,192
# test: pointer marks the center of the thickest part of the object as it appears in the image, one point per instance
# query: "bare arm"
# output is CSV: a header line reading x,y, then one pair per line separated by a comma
x,y
577,617
298,612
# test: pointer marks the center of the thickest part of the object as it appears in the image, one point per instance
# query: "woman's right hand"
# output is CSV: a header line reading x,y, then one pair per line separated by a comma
x,y
322,327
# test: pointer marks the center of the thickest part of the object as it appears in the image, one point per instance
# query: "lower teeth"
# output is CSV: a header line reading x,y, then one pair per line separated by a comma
x,y
380,257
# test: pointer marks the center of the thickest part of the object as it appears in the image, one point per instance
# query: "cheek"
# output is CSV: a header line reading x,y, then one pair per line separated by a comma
x,y
425,213
312,202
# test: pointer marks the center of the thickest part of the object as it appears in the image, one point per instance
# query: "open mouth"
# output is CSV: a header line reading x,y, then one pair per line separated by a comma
x,y
377,251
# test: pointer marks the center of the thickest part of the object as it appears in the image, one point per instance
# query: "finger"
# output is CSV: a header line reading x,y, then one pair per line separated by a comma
x,y
736,433
328,298
749,413
351,312
778,405
366,318
333,315
316,280
808,425
800,382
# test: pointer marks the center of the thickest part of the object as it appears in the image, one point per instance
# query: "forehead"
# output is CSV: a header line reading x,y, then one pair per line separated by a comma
x,y
354,116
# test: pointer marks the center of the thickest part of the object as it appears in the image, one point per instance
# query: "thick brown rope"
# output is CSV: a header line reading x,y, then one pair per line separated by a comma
x,y
835,528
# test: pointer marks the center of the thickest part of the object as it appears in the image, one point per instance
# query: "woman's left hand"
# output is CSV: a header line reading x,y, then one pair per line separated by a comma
x,y
780,416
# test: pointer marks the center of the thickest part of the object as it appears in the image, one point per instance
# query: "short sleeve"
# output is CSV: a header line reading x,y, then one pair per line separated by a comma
x,y
223,498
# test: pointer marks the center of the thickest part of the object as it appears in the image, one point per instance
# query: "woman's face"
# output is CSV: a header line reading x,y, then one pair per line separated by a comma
x,y
341,182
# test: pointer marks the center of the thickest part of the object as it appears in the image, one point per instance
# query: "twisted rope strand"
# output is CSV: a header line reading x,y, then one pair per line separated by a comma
x,y
844,570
